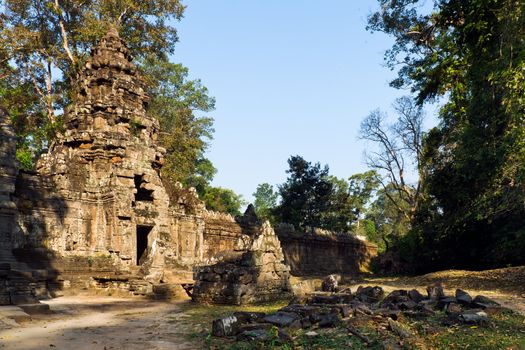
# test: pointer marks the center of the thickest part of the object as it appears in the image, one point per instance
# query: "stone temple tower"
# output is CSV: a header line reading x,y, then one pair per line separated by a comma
x,y
97,193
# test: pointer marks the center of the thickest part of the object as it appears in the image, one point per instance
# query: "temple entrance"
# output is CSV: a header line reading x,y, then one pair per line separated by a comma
x,y
142,242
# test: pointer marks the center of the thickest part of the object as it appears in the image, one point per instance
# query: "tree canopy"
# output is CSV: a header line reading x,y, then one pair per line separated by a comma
x,y
471,54
265,201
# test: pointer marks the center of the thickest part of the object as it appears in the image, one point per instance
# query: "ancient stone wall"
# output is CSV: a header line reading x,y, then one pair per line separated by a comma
x,y
320,252
221,233
8,174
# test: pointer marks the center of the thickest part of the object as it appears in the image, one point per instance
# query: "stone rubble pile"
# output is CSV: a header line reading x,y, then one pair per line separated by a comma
x,y
322,310
254,272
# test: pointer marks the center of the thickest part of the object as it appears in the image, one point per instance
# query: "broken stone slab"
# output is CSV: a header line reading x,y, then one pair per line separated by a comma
x,y
259,334
443,303
303,310
329,320
463,297
331,299
369,294
396,296
479,317
224,327
483,302
360,309
249,317
281,319
415,295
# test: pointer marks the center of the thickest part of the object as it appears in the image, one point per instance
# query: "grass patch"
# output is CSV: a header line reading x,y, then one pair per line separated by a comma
x,y
505,331
196,319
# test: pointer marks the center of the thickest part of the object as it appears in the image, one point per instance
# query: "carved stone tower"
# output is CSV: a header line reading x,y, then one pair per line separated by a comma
x,y
108,200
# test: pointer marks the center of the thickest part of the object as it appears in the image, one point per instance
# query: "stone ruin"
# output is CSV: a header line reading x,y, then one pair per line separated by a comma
x,y
253,272
96,214
321,252
344,308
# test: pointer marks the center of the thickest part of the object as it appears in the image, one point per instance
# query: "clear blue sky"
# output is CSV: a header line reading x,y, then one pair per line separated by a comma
x,y
290,77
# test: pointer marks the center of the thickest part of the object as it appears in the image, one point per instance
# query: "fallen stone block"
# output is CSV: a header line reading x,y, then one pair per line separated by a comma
x,y
281,319
415,295
249,317
463,297
329,320
483,302
369,294
224,327
479,317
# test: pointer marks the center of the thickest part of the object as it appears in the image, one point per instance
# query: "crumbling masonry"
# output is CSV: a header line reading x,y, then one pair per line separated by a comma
x,y
95,213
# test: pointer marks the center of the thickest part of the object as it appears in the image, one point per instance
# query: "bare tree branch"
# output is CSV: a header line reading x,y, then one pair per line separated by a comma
x,y
65,42
396,141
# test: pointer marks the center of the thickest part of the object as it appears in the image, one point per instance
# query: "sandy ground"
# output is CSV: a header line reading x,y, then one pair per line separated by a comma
x,y
109,323
100,323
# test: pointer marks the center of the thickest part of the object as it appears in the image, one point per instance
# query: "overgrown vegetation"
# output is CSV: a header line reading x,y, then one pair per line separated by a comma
x,y
44,44
506,330
471,55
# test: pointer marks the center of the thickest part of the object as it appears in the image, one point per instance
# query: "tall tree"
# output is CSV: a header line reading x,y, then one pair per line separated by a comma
x,y
223,200
43,37
399,151
265,201
176,102
472,53
349,200
305,195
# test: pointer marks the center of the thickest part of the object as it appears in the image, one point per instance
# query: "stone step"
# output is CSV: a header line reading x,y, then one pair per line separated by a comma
x,y
14,313
35,309
170,291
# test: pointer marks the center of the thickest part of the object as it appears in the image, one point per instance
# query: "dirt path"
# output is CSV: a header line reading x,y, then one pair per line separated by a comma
x,y
101,323
109,323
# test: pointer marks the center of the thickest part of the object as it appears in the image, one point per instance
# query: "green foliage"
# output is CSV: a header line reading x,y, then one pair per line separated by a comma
x,y
265,201
175,102
223,200
25,158
507,331
47,42
389,223
349,200
305,195
311,197
472,53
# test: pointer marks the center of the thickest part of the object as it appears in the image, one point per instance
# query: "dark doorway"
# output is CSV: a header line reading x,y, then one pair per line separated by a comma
x,y
142,242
